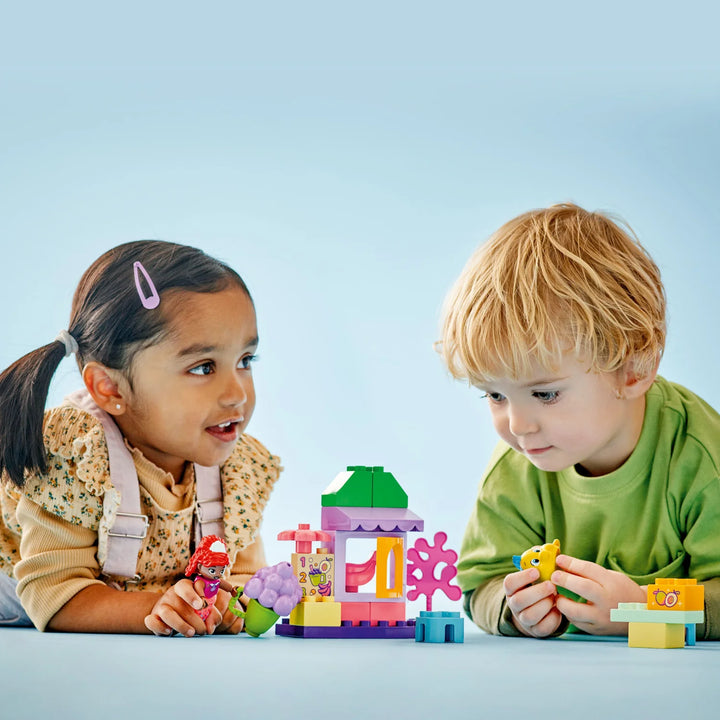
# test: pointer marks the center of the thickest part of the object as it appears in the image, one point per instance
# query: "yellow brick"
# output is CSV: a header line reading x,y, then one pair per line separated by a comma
x,y
324,613
656,635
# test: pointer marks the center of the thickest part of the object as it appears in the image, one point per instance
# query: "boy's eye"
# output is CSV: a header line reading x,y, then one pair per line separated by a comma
x,y
494,397
546,396
246,361
205,368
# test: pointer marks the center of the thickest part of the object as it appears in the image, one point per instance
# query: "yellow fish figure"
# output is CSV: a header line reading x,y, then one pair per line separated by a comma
x,y
541,557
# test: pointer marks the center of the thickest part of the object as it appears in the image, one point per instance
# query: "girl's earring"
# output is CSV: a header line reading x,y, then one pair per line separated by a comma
x,y
618,394
118,406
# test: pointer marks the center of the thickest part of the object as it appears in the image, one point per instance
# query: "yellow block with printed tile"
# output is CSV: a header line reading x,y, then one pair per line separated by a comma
x,y
315,572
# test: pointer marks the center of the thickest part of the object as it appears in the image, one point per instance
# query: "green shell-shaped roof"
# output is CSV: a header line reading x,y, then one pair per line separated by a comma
x,y
363,486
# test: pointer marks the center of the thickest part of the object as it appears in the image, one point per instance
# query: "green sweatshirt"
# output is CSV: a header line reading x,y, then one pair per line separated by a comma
x,y
656,516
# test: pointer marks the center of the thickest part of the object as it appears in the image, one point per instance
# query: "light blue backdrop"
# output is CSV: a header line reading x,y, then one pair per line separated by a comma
x,y
346,163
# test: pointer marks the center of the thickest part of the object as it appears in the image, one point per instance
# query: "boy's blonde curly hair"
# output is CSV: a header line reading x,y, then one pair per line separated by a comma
x,y
551,281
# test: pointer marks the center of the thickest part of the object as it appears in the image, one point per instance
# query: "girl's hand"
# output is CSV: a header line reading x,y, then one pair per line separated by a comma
x,y
602,588
533,606
230,623
175,611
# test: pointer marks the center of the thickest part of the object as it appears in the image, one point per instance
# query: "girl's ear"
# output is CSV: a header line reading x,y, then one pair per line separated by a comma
x,y
630,386
103,384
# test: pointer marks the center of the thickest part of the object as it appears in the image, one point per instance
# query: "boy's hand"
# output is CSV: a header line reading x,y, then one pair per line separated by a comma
x,y
175,611
602,588
533,606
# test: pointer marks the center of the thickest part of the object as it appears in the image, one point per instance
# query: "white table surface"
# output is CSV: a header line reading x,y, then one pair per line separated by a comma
x,y
126,676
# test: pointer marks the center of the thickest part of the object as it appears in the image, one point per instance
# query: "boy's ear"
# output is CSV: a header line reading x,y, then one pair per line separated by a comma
x,y
104,385
630,386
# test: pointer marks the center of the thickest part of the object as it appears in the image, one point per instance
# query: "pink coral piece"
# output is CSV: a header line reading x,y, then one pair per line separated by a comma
x,y
421,570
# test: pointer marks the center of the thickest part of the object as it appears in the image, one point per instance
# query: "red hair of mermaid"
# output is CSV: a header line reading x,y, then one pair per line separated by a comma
x,y
211,551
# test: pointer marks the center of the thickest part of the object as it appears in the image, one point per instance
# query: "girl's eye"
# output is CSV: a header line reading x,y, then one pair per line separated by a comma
x,y
247,361
205,368
546,396
494,397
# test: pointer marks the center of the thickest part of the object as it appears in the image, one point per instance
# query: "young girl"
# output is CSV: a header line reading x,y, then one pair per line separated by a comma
x,y
105,497
560,320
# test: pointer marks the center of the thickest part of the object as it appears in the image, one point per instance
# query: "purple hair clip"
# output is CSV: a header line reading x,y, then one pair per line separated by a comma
x,y
153,300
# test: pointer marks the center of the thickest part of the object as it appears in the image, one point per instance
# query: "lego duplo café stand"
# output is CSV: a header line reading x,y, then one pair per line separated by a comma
x,y
367,599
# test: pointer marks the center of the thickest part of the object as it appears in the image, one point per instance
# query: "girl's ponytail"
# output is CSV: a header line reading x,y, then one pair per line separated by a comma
x,y
23,391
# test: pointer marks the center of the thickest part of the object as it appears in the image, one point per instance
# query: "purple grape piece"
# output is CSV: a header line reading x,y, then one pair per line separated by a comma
x,y
284,605
267,598
275,587
284,570
273,582
253,587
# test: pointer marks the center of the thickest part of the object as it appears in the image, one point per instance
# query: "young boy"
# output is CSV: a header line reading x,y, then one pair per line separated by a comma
x,y
560,320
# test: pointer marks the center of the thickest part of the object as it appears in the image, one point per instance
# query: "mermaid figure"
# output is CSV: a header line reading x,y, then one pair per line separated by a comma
x,y
206,567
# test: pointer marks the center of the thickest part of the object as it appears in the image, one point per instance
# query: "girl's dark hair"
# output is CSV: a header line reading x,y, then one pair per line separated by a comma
x,y
110,325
